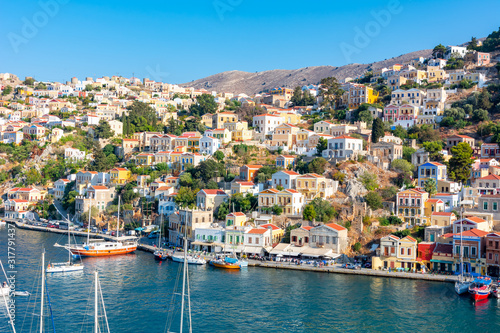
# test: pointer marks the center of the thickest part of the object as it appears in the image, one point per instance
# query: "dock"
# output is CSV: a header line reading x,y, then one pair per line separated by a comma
x,y
333,269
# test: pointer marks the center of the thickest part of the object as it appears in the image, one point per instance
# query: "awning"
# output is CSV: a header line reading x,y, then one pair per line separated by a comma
x,y
442,261
315,252
253,249
207,244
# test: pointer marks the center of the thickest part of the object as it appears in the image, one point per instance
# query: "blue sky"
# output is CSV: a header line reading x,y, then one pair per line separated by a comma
x,y
180,41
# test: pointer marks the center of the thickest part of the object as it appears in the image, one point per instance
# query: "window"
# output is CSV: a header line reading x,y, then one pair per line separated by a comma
x,y
485,205
256,240
402,251
409,251
495,206
473,251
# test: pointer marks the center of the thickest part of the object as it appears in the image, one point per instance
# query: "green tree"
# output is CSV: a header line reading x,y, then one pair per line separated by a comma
x,y
369,180
438,51
400,132
7,90
317,165
373,200
103,130
402,166
430,186
377,130
277,210
108,149
309,213
461,162
185,197
331,92
407,152
141,118
219,156
33,176
205,104
212,185
322,145
89,87
480,115
472,44
434,149
324,210
29,81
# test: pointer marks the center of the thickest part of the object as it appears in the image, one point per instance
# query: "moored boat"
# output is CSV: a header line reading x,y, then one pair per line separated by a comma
x,y
5,289
189,259
161,254
480,289
64,267
228,263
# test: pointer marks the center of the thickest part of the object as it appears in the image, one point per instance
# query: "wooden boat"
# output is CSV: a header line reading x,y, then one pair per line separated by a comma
x,y
228,263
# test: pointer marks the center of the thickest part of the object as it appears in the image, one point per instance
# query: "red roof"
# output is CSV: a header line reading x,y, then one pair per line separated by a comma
x,y
99,187
214,192
19,200
346,137
307,227
291,173
335,226
253,166
236,214
490,177
475,219
474,233
442,214
434,200
257,231
245,183
461,136
270,225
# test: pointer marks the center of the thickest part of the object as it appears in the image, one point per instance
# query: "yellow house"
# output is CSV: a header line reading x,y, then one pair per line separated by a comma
x,y
242,135
193,144
442,219
237,219
145,159
290,117
433,205
277,232
407,251
435,74
119,176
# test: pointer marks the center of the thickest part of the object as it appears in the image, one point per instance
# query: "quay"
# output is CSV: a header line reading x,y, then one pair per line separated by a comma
x,y
334,269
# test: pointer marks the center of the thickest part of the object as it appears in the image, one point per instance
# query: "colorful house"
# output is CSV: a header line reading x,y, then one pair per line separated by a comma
x,y
119,176
473,244
410,206
145,159
249,172
431,170
237,219
285,161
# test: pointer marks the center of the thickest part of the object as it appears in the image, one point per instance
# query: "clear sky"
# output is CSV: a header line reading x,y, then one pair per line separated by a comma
x,y
180,41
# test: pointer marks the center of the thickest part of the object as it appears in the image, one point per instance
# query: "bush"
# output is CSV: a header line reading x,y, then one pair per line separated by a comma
x,y
373,200
356,247
369,180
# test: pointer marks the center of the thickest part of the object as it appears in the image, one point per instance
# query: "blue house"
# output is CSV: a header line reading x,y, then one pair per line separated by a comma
x,y
431,170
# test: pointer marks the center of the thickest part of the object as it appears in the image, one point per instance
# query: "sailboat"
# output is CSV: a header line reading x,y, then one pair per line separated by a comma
x,y
97,293
69,266
100,247
160,254
462,285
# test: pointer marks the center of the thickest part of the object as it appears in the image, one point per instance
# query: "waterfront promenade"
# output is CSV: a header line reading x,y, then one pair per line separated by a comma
x,y
334,269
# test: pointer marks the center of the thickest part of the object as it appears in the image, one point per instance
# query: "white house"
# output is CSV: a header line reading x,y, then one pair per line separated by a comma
x,y
74,154
59,187
266,123
450,50
256,240
116,127
209,145
343,147
285,179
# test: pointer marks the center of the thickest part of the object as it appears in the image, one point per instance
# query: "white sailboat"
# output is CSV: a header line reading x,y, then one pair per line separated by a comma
x,y
97,296
462,285
185,280
191,260
5,293
69,266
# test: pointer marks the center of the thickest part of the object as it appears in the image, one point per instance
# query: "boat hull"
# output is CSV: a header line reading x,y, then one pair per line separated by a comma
x,y
480,296
64,269
161,256
462,288
226,266
190,261
103,252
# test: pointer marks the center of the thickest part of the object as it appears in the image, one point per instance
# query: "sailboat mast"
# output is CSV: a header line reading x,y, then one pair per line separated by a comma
x,y
118,219
161,223
461,247
88,225
42,291
96,305
183,283
69,241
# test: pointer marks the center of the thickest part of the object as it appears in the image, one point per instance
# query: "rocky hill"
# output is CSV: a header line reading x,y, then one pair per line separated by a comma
x,y
252,83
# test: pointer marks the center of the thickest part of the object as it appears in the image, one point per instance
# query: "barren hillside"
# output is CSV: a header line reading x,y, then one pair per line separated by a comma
x,y
252,83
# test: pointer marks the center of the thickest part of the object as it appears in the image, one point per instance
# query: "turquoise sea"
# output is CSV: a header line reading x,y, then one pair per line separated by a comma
x,y
140,296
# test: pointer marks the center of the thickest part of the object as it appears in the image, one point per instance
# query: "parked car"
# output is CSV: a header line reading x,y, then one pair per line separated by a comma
x,y
351,266
368,265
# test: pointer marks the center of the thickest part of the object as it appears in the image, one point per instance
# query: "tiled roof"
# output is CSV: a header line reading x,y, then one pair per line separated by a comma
x,y
257,231
335,226
214,192
441,214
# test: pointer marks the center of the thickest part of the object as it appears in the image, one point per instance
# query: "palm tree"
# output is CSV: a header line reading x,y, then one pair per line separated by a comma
x,y
430,186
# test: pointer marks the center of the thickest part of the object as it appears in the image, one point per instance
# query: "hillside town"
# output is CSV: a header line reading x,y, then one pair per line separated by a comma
x,y
397,167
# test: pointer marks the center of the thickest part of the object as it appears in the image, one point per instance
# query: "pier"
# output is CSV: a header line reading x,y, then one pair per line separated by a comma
x,y
334,269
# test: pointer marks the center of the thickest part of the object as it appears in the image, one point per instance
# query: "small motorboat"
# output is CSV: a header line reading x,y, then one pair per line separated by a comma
x,y
190,259
480,288
228,263
161,254
21,293
64,267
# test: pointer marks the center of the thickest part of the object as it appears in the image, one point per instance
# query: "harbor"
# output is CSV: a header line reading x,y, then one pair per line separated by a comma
x,y
332,269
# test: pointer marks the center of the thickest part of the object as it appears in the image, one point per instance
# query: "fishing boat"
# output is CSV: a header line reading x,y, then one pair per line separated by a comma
x,y
227,262
189,259
63,267
102,248
495,291
480,289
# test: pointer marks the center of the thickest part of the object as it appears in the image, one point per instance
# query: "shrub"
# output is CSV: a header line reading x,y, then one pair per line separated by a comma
x,y
369,180
373,200
356,247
